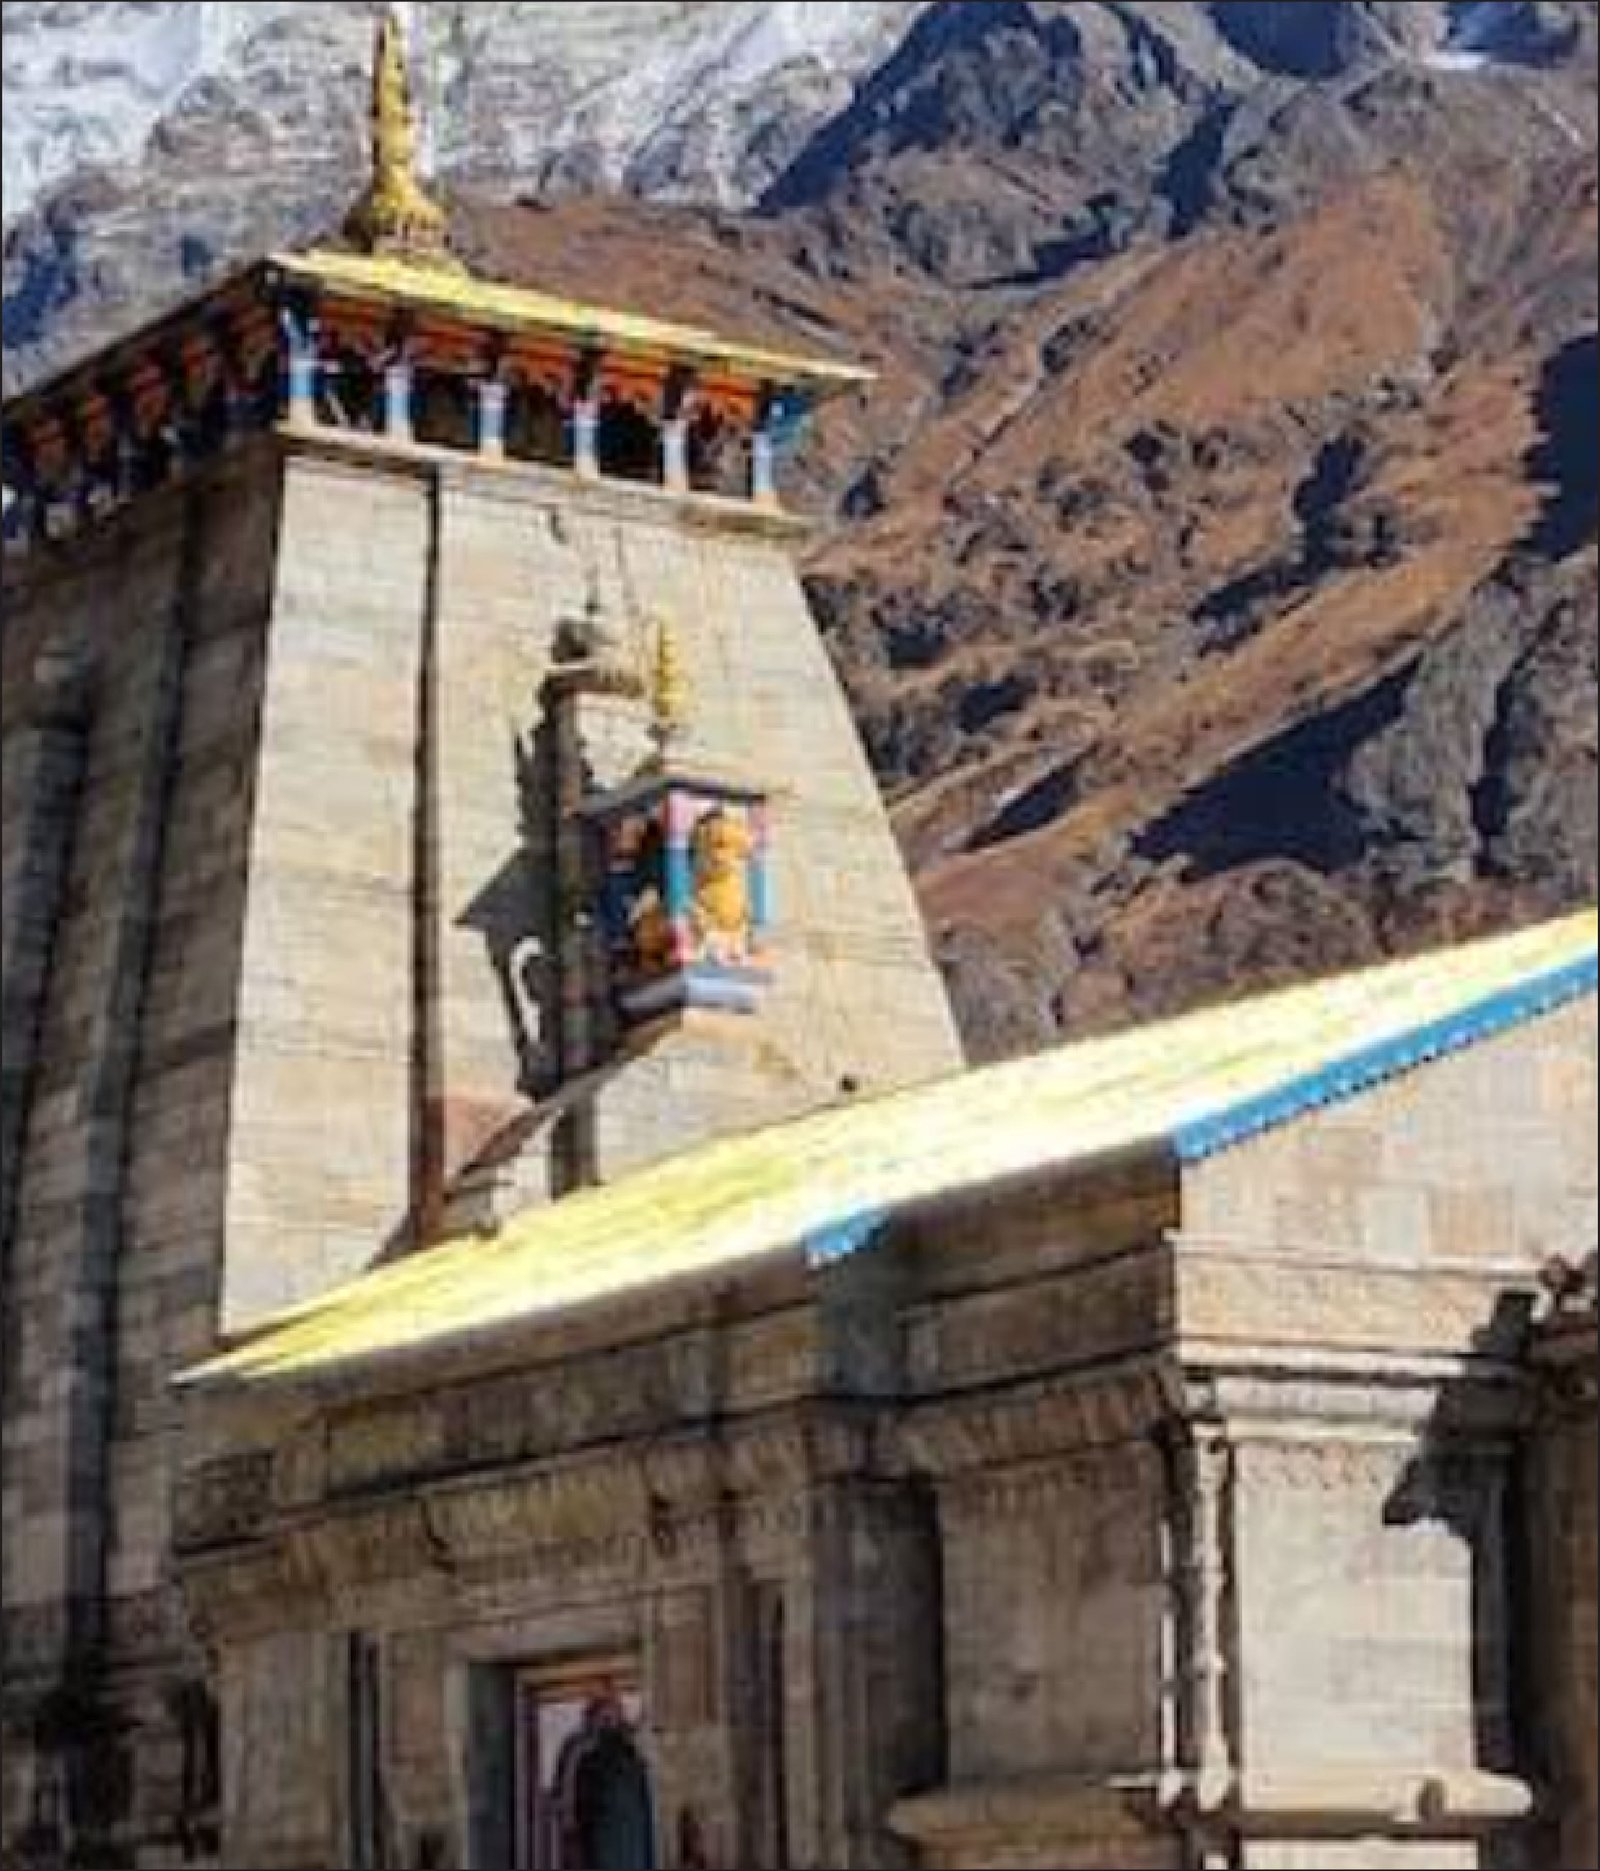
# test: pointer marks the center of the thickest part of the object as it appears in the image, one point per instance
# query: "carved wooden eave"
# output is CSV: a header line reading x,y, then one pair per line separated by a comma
x,y
280,344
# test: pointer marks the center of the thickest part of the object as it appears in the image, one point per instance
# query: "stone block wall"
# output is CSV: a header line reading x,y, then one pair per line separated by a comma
x,y
134,670
778,1641
1560,1567
1477,1169
323,1130
1355,1290
277,815
856,999
406,911
1092,1541
1054,1619
1373,1624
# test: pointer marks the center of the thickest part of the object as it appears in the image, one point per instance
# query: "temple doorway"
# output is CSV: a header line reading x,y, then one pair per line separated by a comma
x,y
585,1801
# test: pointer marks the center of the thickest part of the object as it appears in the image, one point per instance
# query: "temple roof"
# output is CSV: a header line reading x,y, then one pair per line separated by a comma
x,y
825,1186
392,282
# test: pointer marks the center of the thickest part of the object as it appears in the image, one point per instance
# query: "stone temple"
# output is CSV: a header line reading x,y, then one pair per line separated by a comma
x,y
524,1349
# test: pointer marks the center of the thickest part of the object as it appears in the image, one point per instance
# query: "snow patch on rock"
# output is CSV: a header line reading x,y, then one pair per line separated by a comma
x,y
87,85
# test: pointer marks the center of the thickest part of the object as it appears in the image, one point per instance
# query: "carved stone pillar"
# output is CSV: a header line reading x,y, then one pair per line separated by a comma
x,y
21,519
125,445
1204,1791
302,371
676,410
764,467
399,395
870,1613
494,402
675,455
586,438
239,413
1560,1537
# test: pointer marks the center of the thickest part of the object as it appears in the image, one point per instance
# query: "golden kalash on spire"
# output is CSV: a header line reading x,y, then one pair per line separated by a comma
x,y
397,216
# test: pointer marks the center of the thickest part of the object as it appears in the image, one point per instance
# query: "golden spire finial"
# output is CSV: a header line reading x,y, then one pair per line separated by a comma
x,y
670,693
396,215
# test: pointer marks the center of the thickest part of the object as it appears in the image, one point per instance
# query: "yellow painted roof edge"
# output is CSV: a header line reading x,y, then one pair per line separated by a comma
x,y
824,1182
523,309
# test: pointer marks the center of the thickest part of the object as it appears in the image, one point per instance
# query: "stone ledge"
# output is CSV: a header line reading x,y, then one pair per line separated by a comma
x,y
1044,1810
1063,1810
523,481
1396,1802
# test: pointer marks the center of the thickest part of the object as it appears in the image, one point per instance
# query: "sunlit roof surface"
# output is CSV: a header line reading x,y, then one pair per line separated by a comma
x,y
825,1184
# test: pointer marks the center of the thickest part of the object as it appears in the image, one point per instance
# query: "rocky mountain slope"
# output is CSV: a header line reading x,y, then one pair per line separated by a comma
x,y
1215,566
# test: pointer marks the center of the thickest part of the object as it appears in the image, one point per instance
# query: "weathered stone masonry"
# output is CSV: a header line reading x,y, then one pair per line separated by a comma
x,y
278,818
132,683
1153,1516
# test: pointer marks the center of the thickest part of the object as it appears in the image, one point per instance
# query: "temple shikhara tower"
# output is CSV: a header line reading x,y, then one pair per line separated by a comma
x,y
524,1349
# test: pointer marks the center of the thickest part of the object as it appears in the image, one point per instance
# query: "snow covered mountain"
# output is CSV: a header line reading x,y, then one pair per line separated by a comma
x,y
686,97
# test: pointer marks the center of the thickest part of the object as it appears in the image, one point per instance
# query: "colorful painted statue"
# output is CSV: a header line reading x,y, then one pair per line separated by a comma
x,y
654,940
723,911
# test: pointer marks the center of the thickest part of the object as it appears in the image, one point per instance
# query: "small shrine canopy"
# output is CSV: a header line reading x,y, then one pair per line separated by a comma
x,y
824,1187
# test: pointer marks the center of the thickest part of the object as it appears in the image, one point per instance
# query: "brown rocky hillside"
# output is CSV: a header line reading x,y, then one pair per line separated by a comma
x,y
1220,606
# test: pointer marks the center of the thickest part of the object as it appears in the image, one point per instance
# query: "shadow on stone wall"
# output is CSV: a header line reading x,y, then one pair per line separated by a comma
x,y
1471,1477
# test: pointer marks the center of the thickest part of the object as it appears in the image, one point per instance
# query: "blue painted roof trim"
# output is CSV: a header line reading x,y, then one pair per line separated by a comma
x,y
1366,1070
844,1240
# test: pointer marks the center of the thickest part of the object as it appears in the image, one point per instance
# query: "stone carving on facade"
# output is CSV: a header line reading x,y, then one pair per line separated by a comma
x,y
595,650
1013,1333
1232,1296
686,894
1203,1497
1565,1338
1045,1420
225,1500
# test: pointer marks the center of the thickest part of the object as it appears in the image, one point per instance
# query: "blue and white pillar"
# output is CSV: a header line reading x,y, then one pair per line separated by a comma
x,y
494,403
399,390
586,438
